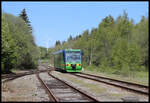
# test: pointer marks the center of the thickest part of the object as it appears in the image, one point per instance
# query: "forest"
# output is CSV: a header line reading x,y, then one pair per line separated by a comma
x,y
18,46
117,46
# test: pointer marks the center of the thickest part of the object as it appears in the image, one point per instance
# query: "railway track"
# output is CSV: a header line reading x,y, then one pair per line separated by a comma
x,y
137,88
13,75
41,69
9,77
21,74
60,91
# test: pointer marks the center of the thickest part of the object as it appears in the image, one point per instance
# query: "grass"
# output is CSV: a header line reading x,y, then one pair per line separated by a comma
x,y
139,77
93,88
14,70
44,60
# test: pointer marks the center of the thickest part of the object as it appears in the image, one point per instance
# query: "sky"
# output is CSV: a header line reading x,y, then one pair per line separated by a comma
x,y
53,21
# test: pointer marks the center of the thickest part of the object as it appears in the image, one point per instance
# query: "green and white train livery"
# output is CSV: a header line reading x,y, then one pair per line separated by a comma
x,y
69,60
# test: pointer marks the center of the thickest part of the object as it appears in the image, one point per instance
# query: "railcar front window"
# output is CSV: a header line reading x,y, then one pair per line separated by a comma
x,y
73,56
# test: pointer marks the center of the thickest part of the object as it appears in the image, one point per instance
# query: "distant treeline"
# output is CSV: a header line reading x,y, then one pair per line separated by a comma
x,y
18,47
116,45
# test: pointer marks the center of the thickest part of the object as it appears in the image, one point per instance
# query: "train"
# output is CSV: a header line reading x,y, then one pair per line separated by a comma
x,y
68,60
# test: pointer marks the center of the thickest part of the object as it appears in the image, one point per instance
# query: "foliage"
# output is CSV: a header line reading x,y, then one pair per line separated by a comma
x,y
43,53
24,16
8,52
18,47
116,46
57,43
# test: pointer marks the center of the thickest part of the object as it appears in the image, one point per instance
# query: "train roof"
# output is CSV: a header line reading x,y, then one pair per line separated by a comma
x,y
57,52
72,49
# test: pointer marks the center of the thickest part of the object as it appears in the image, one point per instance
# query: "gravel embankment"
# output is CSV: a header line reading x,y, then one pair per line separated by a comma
x,y
26,88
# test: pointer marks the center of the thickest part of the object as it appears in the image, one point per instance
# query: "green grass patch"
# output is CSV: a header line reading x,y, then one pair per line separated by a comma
x,y
141,77
44,60
14,70
92,87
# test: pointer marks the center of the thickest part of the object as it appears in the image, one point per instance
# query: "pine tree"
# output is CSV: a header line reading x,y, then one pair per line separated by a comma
x,y
70,38
57,43
24,16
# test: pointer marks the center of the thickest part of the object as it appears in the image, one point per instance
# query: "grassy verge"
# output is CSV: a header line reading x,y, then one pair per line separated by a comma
x,y
141,77
44,60
20,71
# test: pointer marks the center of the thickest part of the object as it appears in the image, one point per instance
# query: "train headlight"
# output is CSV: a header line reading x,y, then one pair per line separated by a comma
x,y
68,65
78,64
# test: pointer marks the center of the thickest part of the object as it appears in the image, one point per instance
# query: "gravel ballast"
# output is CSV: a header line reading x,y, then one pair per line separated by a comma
x,y
29,88
26,88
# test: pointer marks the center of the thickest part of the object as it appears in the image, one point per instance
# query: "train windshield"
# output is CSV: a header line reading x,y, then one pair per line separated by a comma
x,y
73,56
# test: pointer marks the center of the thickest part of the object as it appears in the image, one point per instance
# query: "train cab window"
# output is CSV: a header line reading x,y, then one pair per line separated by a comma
x,y
73,56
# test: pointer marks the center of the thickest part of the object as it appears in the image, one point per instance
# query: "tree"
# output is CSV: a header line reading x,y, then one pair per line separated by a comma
x,y
57,43
70,38
124,26
92,46
140,36
9,53
63,42
18,44
104,41
43,52
116,45
24,16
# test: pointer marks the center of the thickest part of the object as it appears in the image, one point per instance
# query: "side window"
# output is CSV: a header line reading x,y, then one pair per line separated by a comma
x,y
64,57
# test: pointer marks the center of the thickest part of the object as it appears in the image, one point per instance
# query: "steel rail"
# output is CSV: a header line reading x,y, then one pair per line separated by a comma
x,y
96,100
51,95
22,74
140,85
123,87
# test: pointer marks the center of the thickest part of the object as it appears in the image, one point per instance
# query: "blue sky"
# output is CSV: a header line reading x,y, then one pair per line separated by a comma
x,y
53,21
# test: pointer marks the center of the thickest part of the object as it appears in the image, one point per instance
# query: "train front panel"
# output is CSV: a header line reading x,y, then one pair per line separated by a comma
x,y
73,60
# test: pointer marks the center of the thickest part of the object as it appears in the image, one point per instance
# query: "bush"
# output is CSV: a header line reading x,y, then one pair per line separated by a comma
x,y
125,70
92,68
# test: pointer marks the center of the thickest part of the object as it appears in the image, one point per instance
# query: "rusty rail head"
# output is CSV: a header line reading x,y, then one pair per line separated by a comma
x,y
51,95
